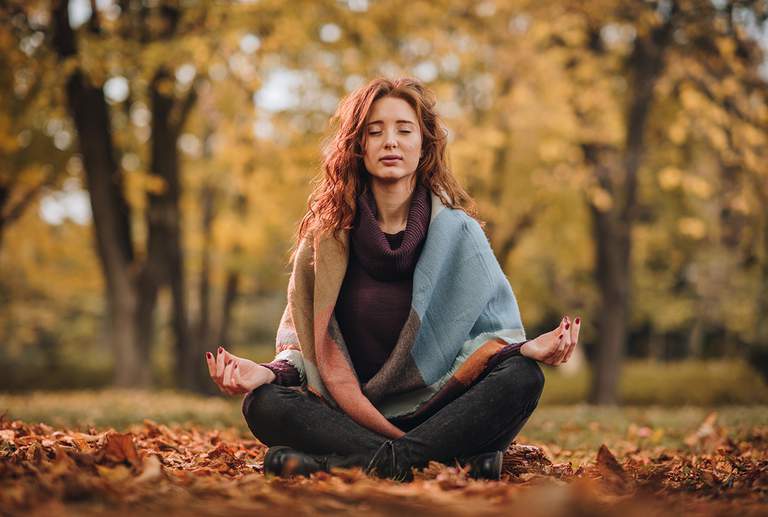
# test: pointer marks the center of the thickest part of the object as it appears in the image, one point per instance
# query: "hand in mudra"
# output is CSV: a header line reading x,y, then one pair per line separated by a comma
x,y
554,347
236,375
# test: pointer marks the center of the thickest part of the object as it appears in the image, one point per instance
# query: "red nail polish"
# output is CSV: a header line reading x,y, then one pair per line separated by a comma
x,y
558,337
567,326
220,349
577,321
208,355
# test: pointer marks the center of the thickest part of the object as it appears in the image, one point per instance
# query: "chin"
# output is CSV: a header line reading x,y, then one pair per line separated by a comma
x,y
391,175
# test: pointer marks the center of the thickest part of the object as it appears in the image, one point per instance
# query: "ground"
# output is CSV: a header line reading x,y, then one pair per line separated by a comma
x,y
141,453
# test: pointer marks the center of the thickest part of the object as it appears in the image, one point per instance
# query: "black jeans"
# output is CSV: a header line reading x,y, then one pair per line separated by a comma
x,y
485,418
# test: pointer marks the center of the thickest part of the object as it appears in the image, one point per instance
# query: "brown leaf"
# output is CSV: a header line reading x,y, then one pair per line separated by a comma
x,y
120,448
152,470
610,470
520,459
708,436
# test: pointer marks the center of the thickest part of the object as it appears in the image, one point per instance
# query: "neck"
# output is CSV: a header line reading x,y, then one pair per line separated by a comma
x,y
393,201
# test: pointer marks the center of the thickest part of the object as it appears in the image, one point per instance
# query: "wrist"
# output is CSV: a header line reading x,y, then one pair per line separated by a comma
x,y
269,374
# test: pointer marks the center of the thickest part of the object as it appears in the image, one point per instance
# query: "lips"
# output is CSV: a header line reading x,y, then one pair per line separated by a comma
x,y
390,158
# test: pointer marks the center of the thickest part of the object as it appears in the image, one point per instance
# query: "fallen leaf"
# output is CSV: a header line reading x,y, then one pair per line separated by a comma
x,y
120,448
610,470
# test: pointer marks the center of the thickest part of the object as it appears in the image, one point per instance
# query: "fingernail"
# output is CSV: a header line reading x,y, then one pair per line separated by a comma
x,y
208,355
567,326
577,321
220,349
558,337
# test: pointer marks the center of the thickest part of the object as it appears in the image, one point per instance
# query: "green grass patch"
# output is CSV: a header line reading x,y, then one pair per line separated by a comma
x,y
702,383
570,427
643,383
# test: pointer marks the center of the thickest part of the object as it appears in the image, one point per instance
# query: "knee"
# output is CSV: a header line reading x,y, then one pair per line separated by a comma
x,y
536,383
525,378
265,399
262,407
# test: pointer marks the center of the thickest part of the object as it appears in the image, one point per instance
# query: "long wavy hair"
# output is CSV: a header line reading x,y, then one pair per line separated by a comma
x,y
332,203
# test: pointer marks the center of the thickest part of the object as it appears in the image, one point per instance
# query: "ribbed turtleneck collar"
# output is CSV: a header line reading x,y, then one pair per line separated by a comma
x,y
370,244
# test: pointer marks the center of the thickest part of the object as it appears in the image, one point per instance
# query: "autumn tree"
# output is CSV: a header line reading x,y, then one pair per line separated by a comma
x,y
32,152
640,47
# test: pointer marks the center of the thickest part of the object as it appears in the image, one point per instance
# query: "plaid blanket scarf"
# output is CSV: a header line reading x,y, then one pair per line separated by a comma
x,y
464,319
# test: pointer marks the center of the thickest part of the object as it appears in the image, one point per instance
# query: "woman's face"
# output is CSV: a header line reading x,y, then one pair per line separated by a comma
x,y
392,141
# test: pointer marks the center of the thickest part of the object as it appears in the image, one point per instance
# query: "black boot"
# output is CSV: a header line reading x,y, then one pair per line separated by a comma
x,y
484,466
284,461
385,464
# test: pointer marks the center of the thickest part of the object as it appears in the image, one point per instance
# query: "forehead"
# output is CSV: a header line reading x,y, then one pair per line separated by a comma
x,y
390,109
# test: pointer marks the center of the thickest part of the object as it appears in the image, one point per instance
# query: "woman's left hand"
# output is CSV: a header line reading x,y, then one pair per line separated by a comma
x,y
236,375
554,347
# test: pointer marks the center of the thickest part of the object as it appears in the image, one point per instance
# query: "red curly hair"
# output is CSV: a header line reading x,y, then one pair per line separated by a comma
x,y
332,203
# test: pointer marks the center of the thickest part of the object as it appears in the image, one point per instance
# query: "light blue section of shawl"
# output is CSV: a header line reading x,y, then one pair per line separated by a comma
x,y
460,293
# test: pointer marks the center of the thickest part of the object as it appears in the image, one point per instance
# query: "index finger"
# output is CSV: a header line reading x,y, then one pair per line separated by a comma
x,y
575,330
211,362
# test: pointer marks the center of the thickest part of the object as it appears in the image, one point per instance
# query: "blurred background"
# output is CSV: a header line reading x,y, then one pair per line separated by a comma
x,y
156,156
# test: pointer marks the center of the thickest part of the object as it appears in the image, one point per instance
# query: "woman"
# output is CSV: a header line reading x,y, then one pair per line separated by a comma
x,y
401,341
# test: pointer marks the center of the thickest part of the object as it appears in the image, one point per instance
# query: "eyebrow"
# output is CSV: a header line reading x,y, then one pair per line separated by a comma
x,y
396,122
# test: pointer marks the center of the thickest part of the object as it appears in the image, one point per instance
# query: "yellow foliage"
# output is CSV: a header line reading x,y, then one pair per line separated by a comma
x,y
670,178
155,184
752,161
730,86
692,227
726,46
678,132
740,204
552,150
716,137
692,99
600,198
752,135
697,186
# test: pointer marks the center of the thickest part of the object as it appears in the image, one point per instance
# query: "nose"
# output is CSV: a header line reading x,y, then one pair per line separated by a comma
x,y
391,141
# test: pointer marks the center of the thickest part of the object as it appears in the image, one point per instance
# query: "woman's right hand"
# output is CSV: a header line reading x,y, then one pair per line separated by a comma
x,y
235,375
554,347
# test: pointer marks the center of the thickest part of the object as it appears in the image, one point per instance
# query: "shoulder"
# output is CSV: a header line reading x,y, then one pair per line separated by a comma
x,y
463,221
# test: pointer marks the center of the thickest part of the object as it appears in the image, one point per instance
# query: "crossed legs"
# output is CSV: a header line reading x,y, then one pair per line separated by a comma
x,y
486,417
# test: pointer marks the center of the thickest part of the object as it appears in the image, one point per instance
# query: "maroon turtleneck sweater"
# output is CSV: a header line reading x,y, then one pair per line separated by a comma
x,y
375,296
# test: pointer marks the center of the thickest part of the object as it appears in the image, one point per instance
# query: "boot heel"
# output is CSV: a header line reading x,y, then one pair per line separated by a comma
x,y
485,466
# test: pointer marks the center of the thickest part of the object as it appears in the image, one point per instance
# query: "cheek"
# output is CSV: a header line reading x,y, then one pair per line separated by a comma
x,y
414,148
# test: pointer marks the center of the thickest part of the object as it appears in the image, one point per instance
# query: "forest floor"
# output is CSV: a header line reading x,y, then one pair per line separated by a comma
x,y
142,453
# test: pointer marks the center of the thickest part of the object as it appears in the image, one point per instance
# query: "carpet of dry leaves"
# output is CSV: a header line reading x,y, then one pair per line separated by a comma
x,y
178,470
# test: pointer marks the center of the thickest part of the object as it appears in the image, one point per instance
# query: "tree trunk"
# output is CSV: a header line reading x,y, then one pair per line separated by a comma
x,y
612,276
111,215
695,342
761,304
230,295
164,222
613,226
202,340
